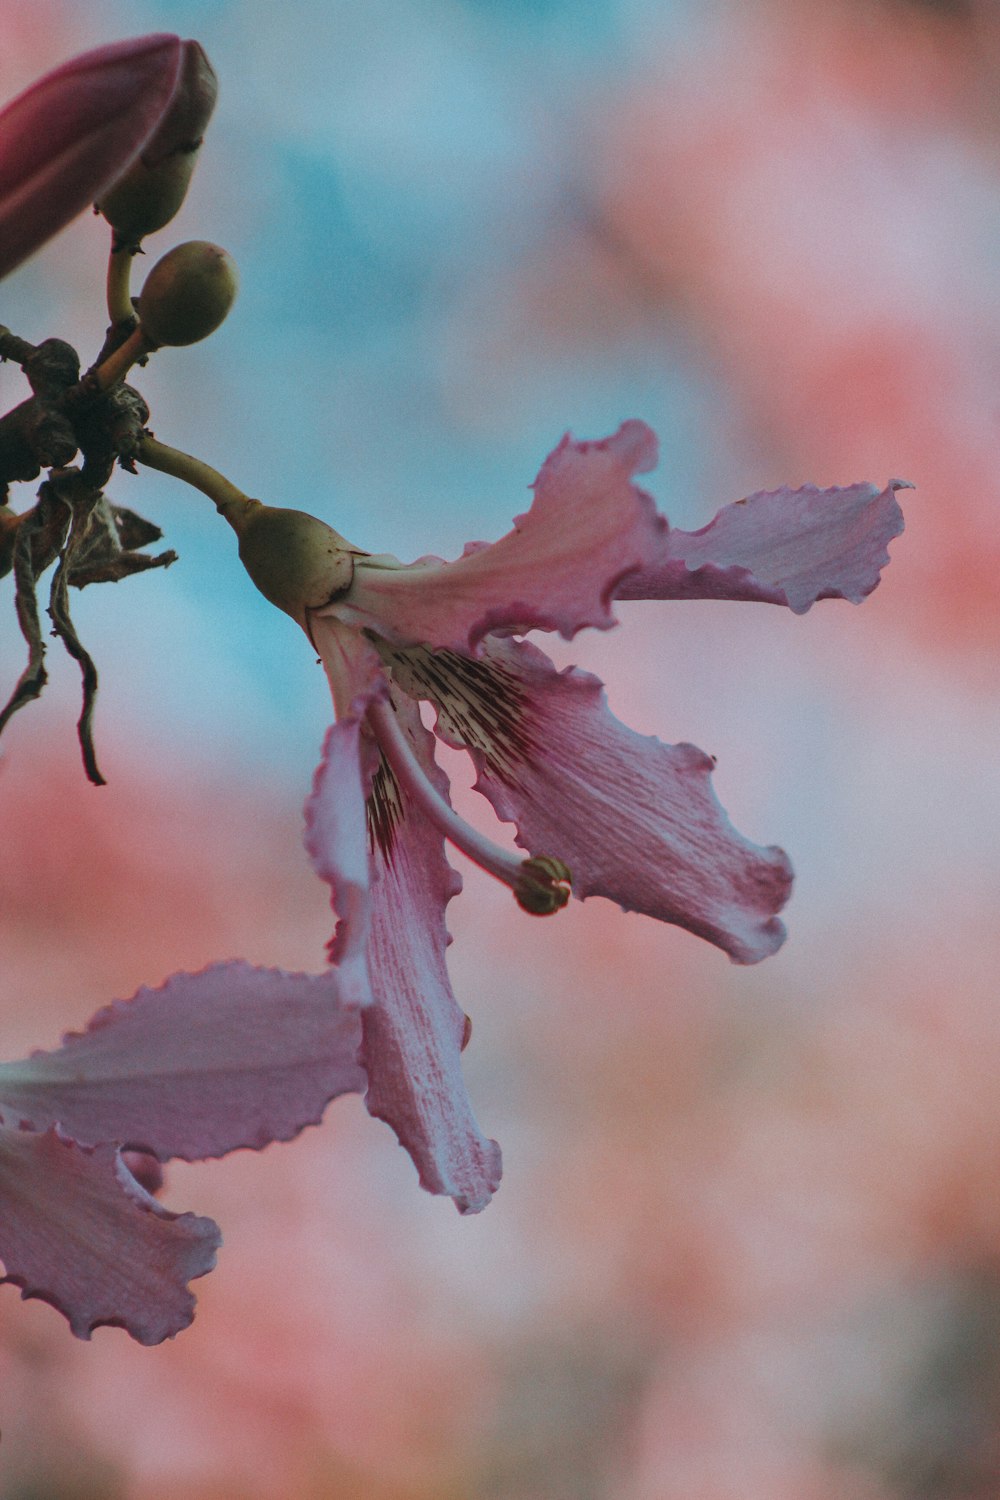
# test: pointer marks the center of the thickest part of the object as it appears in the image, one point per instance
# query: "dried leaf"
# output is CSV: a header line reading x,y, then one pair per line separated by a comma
x,y
107,551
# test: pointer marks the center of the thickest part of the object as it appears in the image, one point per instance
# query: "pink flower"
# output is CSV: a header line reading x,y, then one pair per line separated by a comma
x,y
596,807
228,1058
73,133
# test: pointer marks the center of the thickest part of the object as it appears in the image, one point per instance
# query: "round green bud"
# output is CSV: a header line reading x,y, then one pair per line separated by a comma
x,y
188,293
297,561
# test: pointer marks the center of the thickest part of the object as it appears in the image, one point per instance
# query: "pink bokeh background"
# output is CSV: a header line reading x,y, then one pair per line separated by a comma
x,y
747,1246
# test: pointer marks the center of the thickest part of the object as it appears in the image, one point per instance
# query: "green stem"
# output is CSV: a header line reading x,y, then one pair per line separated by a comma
x,y
120,309
230,502
118,364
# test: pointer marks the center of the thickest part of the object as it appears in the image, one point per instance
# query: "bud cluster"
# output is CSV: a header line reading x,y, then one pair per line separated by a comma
x,y
125,124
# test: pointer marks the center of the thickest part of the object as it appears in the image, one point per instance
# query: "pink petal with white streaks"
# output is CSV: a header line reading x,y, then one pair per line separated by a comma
x,y
231,1057
557,570
635,820
784,546
336,831
413,1033
336,840
74,132
79,1232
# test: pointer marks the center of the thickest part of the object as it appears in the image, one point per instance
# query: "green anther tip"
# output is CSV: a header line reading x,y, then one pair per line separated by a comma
x,y
543,886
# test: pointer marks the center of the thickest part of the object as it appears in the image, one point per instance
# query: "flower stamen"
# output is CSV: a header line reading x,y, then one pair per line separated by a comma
x,y
540,884
544,886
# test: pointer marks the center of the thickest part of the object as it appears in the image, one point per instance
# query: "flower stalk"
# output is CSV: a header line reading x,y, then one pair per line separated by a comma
x,y
117,365
230,502
119,289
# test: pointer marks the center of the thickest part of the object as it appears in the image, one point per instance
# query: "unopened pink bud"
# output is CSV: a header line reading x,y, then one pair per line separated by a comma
x,y
185,122
152,190
74,132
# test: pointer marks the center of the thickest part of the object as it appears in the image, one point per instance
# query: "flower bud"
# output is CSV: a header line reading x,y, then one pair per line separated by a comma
x,y
73,133
187,294
154,187
183,126
146,198
297,561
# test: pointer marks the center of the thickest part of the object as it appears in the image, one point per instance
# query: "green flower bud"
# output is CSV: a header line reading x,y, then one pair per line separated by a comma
x,y
187,294
153,189
297,561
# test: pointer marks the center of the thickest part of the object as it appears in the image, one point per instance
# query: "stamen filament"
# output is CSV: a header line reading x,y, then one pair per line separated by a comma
x,y
540,885
414,779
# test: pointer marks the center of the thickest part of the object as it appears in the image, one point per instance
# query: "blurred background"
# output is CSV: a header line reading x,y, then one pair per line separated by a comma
x,y
747,1246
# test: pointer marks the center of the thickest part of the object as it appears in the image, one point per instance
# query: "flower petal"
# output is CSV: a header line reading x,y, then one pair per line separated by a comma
x,y
72,134
336,840
557,570
414,1031
231,1057
336,811
78,1231
390,884
635,820
780,547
